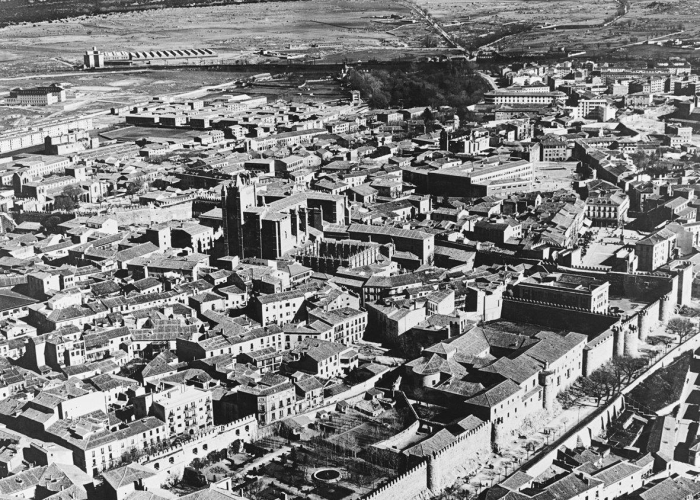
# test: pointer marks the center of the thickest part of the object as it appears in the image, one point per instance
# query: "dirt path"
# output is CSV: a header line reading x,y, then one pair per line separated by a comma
x,y
54,75
267,458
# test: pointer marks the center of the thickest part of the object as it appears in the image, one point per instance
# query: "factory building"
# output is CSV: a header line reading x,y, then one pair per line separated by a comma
x,y
97,59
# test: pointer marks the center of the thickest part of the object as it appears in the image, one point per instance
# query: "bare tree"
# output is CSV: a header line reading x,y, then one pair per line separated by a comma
x,y
601,386
682,327
571,397
625,369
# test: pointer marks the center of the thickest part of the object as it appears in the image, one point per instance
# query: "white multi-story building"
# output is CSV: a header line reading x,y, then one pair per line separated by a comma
x,y
517,97
184,409
37,96
348,324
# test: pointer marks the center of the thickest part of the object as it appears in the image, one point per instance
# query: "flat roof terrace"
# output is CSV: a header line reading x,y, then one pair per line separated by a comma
x,y
627,305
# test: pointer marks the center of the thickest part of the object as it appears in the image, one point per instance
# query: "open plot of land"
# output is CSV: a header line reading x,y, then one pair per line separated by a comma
x,y
340,442
537,12
94,92
605,243
130,134
600,254
551,176
236,32
481,21
650,122
571,26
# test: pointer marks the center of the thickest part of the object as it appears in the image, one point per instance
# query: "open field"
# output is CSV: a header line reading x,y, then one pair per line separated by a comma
x,y
650,122
478,22
569,26
349,30
89,92
538,12
17,11
552,176
238,33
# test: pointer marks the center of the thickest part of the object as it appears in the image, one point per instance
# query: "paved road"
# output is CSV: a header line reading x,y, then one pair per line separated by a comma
x,y
489,79
54,75
434,23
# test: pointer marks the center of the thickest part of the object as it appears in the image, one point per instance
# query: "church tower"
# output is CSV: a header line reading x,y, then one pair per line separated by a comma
x,y
236,197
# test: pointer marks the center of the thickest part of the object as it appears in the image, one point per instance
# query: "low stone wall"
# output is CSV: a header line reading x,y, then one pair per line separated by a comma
x,y
388,451
357,390
40,217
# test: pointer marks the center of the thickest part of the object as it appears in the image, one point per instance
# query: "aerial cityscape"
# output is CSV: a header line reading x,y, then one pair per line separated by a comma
x,y
350,250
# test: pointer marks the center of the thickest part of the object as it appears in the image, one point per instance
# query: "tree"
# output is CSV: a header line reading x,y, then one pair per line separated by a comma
x,y
69,198
427,115
64,203
626,369
253,489
51,222
605,383
197,464
136,186
659,339
457,86
601,386
213,456
450,493
640,159
571,397
428,120
682,327
73,191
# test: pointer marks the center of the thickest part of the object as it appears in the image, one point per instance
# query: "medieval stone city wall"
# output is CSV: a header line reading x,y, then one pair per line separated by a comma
x,y
181,211
555,316
174,460
441,469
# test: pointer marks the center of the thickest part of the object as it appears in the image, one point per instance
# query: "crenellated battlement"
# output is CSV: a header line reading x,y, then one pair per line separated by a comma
x,y
422,467
560,306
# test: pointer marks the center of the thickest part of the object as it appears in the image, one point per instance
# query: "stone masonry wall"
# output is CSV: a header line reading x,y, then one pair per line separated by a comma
x,y
460,458
441,469
598,351
412,484
173,461
552,316
181,211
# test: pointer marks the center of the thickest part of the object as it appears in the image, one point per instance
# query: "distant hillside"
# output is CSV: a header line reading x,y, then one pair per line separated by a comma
x,y
17,11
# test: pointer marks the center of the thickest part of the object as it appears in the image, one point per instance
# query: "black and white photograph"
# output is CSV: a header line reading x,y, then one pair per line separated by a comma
x,y
349,250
